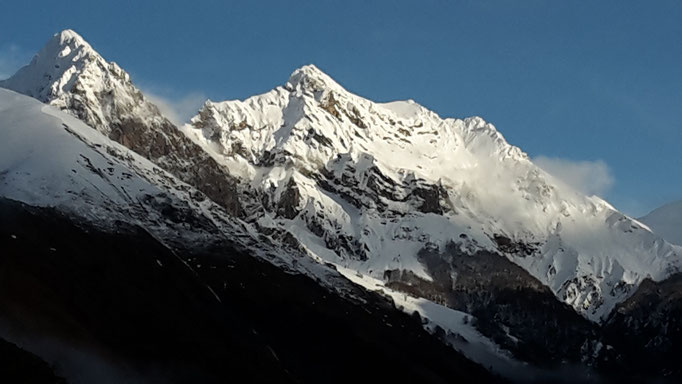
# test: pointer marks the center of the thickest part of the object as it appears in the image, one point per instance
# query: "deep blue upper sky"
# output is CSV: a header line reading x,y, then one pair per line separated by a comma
x,y
575,81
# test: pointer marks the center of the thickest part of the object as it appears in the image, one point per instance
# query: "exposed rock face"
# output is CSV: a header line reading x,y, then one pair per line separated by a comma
x,y
645,331
512,307
172,151
288,203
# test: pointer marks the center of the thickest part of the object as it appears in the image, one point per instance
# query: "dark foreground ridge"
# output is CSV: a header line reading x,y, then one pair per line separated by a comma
x,y
104,307
20,366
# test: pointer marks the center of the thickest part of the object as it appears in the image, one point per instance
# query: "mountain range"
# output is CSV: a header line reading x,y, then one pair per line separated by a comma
x,y
373,203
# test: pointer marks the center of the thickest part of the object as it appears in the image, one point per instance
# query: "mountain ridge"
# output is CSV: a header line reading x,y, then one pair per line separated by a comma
x,y
666,221
320,181
309,158
284,139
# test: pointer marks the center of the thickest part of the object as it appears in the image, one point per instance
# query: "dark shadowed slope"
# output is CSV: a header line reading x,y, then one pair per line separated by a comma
x,y
137,311
20,366
121,302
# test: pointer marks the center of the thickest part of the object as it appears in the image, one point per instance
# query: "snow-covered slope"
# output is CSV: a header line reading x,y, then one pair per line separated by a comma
x,y
368,186
49,158
666,221
52,159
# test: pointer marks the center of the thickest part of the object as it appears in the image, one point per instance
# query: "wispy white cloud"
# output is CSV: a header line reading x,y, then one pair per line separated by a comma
x,y
177,109
12,57
589,177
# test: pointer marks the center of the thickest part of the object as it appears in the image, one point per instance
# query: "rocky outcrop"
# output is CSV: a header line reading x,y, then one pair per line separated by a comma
x,y
645,332
167,147
511,307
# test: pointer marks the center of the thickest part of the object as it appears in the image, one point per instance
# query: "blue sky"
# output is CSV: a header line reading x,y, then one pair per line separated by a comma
x,y
592,89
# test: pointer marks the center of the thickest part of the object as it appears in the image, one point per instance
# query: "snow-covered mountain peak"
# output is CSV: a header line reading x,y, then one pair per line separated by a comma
x,y
71,38
311,78
69,45
371,185
312,119
55,68
69,74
